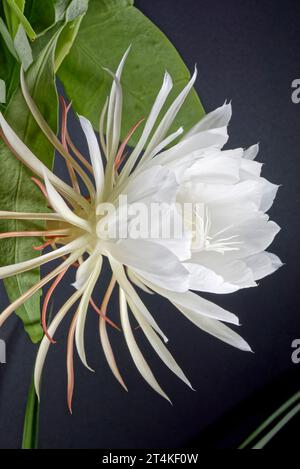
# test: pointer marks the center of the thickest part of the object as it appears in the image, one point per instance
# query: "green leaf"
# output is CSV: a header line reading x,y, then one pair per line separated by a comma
x,y
9,71
60,7
41,14
75,9
107,29
7,39
8,16
64,12
31,421
73,17
9,61
54,11
17,191
22,47
14,18
17,8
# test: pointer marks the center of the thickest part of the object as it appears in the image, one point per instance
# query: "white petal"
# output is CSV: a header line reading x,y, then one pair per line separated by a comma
x,y
95,154
85,269
179,237
30,216
28,294
251,152
218,273
45,344
136,354
82,312
217,329
148,185
153,261
165,143
194,146
218,169
263,264
220,117
15,269
158,345
114,112
60,206
250,168
134,279
169,117
154,184
156,108
269,192
246,196
101,127
206,280
194,303
119,273
255,235
109,353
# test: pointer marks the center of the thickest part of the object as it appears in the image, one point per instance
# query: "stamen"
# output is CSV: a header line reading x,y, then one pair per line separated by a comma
x,y
202,238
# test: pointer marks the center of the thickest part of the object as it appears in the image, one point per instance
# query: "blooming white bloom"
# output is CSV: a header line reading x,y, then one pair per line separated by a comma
x,y
222,247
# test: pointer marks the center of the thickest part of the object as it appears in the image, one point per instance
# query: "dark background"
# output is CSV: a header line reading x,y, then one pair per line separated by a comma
x,y
247,52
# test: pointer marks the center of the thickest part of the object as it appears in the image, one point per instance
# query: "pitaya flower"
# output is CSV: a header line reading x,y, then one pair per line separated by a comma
x,y
223,242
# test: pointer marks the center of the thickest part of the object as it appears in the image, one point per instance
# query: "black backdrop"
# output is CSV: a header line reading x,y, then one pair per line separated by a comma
x,y
247,52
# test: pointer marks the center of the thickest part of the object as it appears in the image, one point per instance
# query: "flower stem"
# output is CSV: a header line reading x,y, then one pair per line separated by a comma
x,y
278,413
31,420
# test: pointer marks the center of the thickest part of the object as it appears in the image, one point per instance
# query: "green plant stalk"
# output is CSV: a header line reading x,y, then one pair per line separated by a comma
x,y
31,420
270,420
273,432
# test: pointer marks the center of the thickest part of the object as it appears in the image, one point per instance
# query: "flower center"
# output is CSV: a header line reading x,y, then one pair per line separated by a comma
x,y
200,225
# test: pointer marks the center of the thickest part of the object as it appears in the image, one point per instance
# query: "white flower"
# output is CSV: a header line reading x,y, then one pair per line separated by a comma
x,y
222,247
230,228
